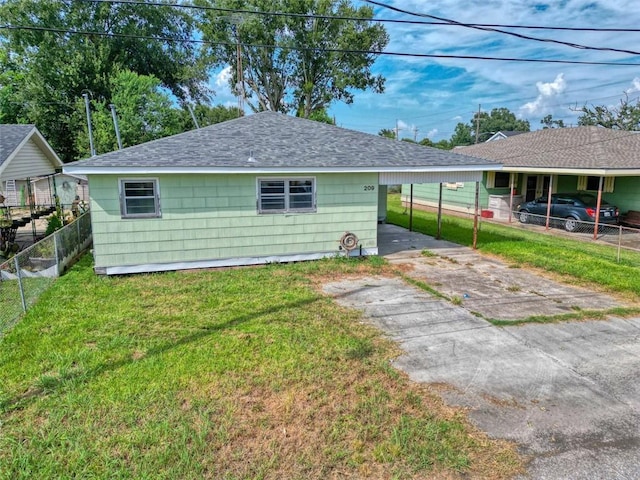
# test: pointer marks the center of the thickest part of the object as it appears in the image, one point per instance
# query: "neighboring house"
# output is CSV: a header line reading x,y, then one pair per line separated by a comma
x,y
24,156
567,160
66,187
503,134
258,189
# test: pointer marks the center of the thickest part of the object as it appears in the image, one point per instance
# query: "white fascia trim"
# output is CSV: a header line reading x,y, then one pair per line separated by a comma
x,y
226,262
596,172
80,170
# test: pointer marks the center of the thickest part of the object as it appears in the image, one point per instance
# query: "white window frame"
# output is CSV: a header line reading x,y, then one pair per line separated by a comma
x,y
287,195
156,198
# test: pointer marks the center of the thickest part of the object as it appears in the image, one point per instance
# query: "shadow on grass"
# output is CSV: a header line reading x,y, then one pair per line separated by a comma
x,y
51,384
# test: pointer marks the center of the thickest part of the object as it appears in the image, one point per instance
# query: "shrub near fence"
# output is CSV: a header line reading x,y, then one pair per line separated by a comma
x,y
24,277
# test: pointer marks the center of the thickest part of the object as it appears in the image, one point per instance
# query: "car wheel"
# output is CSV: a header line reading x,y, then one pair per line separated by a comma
x,y
523,216
571,224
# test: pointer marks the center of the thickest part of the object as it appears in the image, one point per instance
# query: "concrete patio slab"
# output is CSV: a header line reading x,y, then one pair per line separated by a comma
x,y
567,393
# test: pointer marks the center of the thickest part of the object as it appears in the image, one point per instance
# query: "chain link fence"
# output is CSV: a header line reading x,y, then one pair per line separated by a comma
x,y
623,237
25,276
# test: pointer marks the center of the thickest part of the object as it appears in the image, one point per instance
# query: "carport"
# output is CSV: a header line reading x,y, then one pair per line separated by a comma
x,y
440,177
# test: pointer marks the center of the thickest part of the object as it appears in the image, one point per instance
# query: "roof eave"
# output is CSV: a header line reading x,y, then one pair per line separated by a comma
x,y
88,170
596,172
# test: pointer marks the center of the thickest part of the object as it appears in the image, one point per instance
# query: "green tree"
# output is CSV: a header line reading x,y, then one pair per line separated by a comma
x,y
57,66
549,122
387,133
462,135
322,116
144,113
624,117
486,124
292,63
208,115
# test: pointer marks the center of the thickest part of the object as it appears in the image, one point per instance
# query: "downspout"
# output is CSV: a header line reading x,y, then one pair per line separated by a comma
x,y
598,205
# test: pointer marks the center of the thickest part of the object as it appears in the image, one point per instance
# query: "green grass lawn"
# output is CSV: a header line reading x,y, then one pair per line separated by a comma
x,y
579,262
226,374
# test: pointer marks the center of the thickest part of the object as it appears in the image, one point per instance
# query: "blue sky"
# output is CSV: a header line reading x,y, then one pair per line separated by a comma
x,y
428,96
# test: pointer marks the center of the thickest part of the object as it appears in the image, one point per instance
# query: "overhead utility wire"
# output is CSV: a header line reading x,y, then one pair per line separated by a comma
x,y
505,32
381,20
330,50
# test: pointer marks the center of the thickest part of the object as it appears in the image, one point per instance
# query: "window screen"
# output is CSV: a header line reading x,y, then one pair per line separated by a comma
x,y
286,195
139,198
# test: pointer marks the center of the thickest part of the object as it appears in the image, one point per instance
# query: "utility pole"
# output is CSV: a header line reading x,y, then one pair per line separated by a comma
x,y
193,115
115,124
478,125
86,106
415,134
236,21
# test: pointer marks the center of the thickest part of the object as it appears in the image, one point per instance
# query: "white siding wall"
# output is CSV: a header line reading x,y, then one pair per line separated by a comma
x,y
29,162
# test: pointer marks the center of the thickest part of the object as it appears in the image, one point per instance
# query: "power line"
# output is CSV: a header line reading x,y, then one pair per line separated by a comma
x,y
381,20
504,32
318,49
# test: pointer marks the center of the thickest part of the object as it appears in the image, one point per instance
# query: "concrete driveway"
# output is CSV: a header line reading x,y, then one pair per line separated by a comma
x,y
568,393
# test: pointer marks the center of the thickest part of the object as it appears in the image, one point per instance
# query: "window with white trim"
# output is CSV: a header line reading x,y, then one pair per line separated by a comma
x,y
139,198
498,179
284,195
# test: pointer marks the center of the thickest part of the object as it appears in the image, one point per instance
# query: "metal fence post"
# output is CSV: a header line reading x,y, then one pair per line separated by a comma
x,y
20,286
55,249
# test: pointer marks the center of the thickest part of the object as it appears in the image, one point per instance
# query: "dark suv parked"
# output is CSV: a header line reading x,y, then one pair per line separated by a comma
x,y
571,208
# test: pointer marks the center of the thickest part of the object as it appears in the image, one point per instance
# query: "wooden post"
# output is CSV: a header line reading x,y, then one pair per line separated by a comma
x,y
548,200
439,233
475,217
411,209
598,205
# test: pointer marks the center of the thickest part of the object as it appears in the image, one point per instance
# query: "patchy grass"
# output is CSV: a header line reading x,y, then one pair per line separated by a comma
x,y
226,374
580,262
577,315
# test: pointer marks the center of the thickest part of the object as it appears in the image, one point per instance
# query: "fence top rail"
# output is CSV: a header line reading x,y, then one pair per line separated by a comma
x,y
27,251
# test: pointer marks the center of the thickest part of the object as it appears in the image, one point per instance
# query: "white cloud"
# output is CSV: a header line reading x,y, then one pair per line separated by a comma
x,y
432,133
635,86
223,77
547,94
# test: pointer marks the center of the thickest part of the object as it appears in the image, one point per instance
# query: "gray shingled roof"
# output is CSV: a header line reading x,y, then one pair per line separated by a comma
x,y
275,140
573,148
11,136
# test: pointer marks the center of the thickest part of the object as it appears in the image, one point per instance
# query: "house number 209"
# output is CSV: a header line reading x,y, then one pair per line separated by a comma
x,y
369,187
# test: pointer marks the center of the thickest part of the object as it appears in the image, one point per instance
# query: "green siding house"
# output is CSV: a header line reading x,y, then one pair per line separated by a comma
x,y
569,160
262,188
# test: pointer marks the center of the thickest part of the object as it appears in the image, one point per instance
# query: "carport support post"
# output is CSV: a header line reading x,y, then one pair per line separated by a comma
x,y
475,217
598,204
439,213
512,185
411,208
549,202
